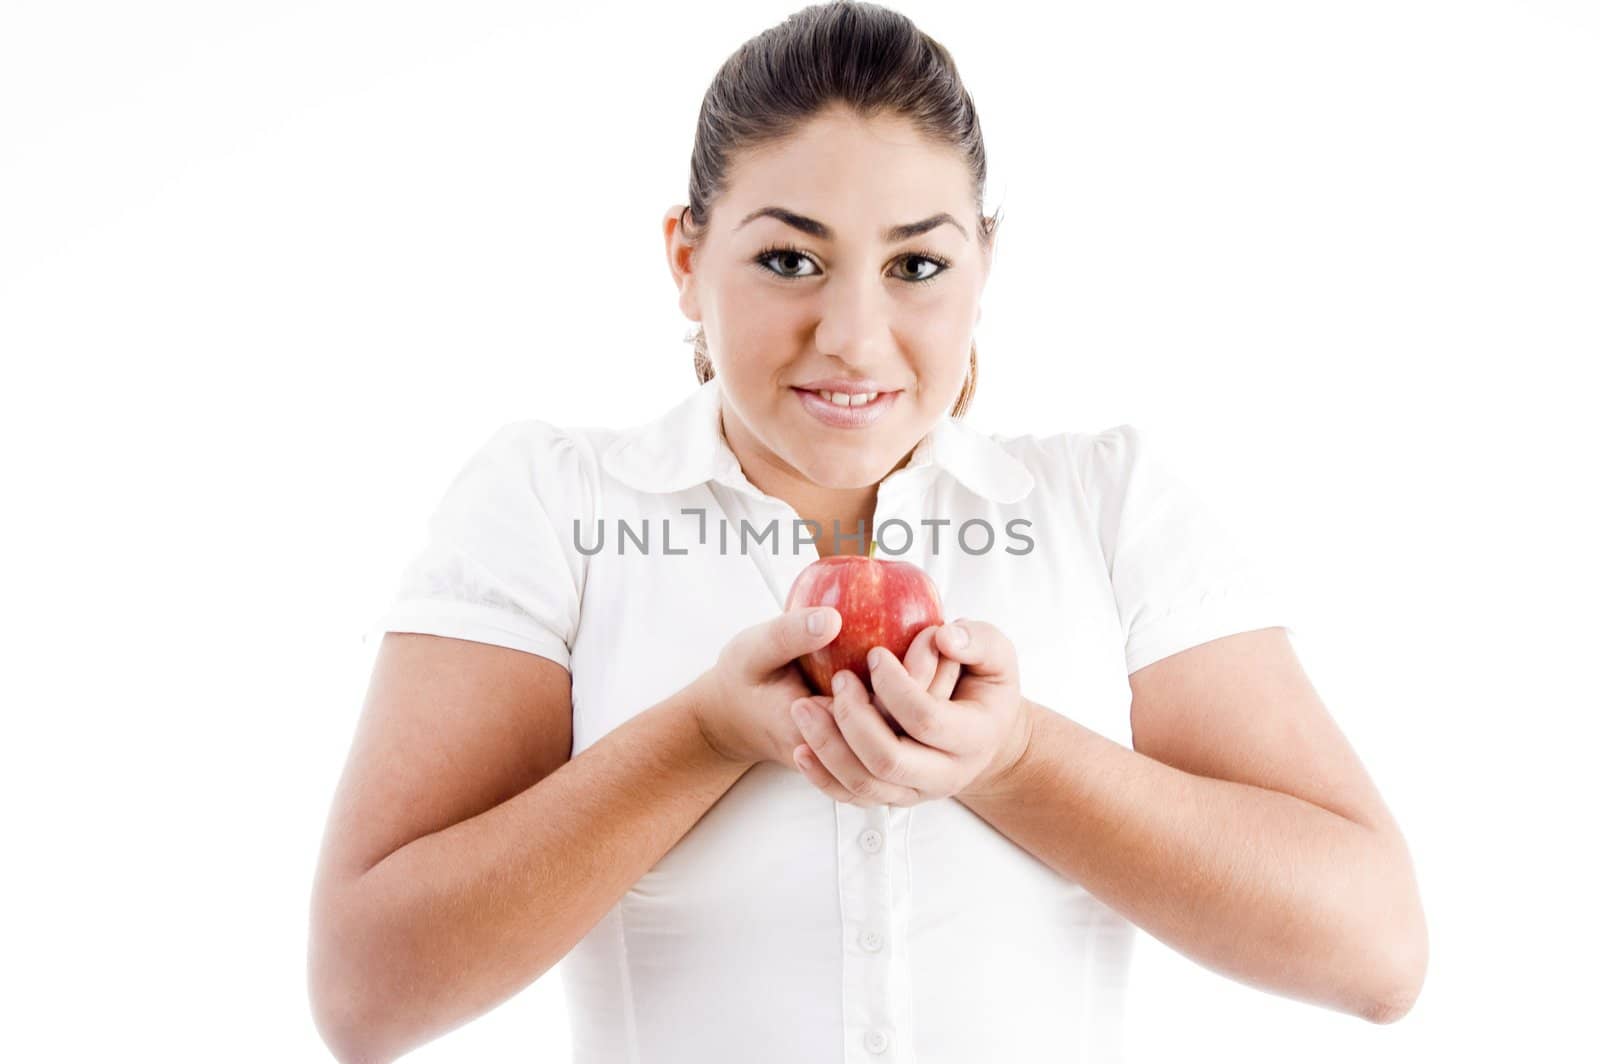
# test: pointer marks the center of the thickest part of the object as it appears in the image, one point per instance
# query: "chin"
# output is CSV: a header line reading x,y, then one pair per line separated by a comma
x,y
839,476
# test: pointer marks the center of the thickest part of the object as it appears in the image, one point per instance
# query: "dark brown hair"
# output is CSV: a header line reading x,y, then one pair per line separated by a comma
x,y
863,56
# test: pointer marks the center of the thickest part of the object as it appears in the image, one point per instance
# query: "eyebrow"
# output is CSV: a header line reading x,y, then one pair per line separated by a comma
x,y
892,235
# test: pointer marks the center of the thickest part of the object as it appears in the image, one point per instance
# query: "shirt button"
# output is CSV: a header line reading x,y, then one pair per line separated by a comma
x,y
871,941
877,1041
871,840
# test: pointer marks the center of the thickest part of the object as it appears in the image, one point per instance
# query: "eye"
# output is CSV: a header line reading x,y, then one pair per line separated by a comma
x,y
786,253
943,265
792,257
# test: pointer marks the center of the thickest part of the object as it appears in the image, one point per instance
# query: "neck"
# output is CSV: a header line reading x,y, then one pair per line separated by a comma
x,y
852,508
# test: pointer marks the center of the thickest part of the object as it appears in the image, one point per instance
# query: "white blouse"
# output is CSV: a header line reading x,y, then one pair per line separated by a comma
x,y
786,927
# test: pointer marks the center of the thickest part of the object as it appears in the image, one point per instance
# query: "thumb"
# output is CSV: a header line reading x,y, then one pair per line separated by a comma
x,y
793,633
978,646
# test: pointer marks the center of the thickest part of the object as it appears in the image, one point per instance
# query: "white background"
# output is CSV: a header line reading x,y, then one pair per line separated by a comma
x,y
269,273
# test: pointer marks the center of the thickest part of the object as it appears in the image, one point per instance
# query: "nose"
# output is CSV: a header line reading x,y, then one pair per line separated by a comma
x,y
856,321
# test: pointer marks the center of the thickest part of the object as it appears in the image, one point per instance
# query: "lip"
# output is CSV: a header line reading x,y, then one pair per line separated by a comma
x,y
845,385
845,417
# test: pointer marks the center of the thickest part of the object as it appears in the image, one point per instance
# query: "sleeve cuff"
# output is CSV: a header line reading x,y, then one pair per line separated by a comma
x,y
478,623
1212,616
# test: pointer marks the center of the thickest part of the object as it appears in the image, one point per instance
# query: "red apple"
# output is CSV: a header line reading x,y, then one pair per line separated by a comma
x,y
881,603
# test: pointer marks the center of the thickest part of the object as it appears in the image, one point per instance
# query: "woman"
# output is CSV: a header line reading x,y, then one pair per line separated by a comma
x,y
587,738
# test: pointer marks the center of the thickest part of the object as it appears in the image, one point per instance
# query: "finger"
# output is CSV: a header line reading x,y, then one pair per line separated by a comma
x,y
805,758
979,646
840,762
930,721
806,763
887,756
945,678
827,762
931,670
789,635
922,657
817,774
819,703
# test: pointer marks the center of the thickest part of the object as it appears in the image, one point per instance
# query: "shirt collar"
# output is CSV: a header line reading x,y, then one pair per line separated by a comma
x,y
685,447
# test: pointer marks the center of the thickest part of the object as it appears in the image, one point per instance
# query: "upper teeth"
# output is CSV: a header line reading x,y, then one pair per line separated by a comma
x,y
846,399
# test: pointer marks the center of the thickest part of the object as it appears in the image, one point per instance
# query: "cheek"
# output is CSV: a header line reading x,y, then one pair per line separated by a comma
x,y
752,302
759,327
937,316
942,358
942,316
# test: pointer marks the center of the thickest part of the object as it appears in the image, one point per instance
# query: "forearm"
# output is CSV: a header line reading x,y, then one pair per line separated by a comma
x,y
455,922
1256,884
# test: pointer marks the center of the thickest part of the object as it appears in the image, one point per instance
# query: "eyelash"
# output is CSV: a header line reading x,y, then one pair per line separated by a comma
x,y
790,249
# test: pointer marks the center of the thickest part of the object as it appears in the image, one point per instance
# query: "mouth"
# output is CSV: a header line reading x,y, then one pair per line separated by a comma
x,y
845,410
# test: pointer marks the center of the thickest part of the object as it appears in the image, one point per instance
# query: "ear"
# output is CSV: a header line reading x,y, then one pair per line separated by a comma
x,y
680,261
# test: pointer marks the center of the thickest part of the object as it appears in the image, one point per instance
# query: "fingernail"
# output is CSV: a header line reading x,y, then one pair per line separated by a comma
x,y
802,713
815,622
838,682
958,636
875,657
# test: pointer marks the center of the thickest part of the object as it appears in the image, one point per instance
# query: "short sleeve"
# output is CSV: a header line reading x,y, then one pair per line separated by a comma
x,y
496,567
1180,575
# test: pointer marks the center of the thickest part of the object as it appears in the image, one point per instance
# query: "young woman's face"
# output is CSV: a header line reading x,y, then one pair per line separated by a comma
x,y
851,303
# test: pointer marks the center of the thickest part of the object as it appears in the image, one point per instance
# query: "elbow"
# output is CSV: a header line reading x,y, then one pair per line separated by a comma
x,y
1386,1014
1400,952
1388,1009
1405,982
342,1023
343,1028
339,1007
345,1043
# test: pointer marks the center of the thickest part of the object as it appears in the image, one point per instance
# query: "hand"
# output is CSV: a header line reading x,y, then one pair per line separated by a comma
x,y
929,669
742,702
965,744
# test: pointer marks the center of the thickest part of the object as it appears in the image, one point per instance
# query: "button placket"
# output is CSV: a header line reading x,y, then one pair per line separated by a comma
x,y
896,933
777,566
872,887
867,902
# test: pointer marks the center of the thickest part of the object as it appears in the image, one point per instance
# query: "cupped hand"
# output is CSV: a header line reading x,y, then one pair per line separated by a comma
x,y
960,738
742,702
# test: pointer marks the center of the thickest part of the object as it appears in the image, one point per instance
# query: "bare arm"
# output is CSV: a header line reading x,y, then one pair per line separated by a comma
x,y
454,922
1262,886
1242,829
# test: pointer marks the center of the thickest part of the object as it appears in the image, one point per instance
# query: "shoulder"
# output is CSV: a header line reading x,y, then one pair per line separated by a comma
x,y
1089,462
534,457
538,445
536,440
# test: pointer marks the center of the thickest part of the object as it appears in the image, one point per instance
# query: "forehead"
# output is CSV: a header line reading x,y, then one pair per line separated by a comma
x,y
851,172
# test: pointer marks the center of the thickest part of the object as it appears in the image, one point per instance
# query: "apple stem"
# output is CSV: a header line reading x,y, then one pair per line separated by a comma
x,y
871,543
